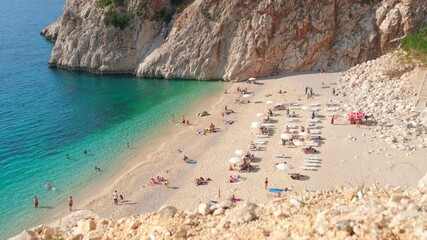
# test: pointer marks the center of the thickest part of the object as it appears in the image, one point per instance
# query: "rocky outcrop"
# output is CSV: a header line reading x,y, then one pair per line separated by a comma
x,y
385,88
231,40
342,213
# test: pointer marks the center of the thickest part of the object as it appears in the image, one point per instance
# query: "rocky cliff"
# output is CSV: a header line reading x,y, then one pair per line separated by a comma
x,y
342,213
230,40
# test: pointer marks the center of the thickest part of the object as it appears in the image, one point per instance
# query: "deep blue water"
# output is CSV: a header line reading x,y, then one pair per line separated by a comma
x,y
46,114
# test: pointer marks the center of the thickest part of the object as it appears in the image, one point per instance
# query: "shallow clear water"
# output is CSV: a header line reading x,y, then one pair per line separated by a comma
x,y
46,114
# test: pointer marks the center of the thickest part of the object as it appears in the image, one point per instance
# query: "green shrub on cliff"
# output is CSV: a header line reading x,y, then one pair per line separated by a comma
x,y
104,3
416,44
117,19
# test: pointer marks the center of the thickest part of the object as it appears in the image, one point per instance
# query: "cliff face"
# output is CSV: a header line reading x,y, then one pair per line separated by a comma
x,y
231,40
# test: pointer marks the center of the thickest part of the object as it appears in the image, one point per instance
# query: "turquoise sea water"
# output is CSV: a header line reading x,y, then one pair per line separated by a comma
x,y
46,114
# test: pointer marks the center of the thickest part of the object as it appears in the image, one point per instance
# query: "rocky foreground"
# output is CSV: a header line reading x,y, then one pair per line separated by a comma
x,y
342,213
230,40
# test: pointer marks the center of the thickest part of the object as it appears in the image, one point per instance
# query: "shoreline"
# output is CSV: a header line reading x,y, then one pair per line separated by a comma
x,y
344,162
143,148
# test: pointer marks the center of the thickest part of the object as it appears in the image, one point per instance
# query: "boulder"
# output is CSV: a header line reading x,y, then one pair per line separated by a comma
x,y
167,211
204,209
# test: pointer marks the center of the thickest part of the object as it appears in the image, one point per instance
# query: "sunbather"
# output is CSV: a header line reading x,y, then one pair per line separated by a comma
x,y
309,150
233,179
186,159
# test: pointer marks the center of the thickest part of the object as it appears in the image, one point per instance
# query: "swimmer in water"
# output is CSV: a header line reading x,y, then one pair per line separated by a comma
x,y
48,186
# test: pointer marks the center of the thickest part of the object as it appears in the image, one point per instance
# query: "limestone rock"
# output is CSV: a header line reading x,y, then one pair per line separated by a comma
x,y
204,209
167,211
230,40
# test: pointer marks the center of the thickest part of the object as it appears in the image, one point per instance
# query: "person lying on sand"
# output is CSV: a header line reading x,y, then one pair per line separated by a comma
x,y
186,159
233,179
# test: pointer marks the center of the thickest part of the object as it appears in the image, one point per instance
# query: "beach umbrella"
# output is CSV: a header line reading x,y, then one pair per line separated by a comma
x,y
286,136
235,160
356,115
256,125
252,79
239,152
283,166
299,143
279,104
260,114
247,95
269,102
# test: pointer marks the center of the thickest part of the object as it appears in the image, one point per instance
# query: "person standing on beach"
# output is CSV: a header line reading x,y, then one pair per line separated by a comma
x,y
313,115
36,202
115,197
70,203
266,183
332,119
222,116
311,92
183,120
172,118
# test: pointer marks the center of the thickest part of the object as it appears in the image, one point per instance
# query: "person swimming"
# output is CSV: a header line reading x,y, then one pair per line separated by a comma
x,y
48,186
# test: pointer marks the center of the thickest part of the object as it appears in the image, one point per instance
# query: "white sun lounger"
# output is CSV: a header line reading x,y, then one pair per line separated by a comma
x,y
314,104
267,124
314,131
259,141
309,168
279,155
314,120
294,108
313,109
331,109
263,136
312,143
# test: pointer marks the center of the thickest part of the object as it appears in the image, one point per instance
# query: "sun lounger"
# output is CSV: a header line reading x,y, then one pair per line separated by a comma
x,y
279,155
314,120
331,109
294,108
314,131
311,158
291,120
313,109
263,136
306,168
267,124
276,190
255,148
314,104
311,143
259,141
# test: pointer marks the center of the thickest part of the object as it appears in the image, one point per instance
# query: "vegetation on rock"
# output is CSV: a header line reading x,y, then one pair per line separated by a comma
x,y
416,44
116,18
114,3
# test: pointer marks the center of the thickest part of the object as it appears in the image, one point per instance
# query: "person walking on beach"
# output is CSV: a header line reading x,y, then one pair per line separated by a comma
x,y
305,90
222,116
172,119
313,115
70,203
266,183
115,197
311,92
332,119
183,120
36,202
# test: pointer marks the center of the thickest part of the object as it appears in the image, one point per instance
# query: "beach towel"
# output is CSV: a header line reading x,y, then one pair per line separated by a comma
x,y
276,190
192,162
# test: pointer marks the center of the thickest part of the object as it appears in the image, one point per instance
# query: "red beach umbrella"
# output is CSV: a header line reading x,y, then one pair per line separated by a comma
x,y
356,115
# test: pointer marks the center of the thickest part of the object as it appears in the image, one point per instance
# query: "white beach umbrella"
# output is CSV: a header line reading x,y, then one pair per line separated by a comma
x,y
235,160
247,95
283,166
299,143
260,114
269,102
286,136
239,152
252,79
256,125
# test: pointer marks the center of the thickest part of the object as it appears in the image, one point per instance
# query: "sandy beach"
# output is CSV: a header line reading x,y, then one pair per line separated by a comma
x,y
348,155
